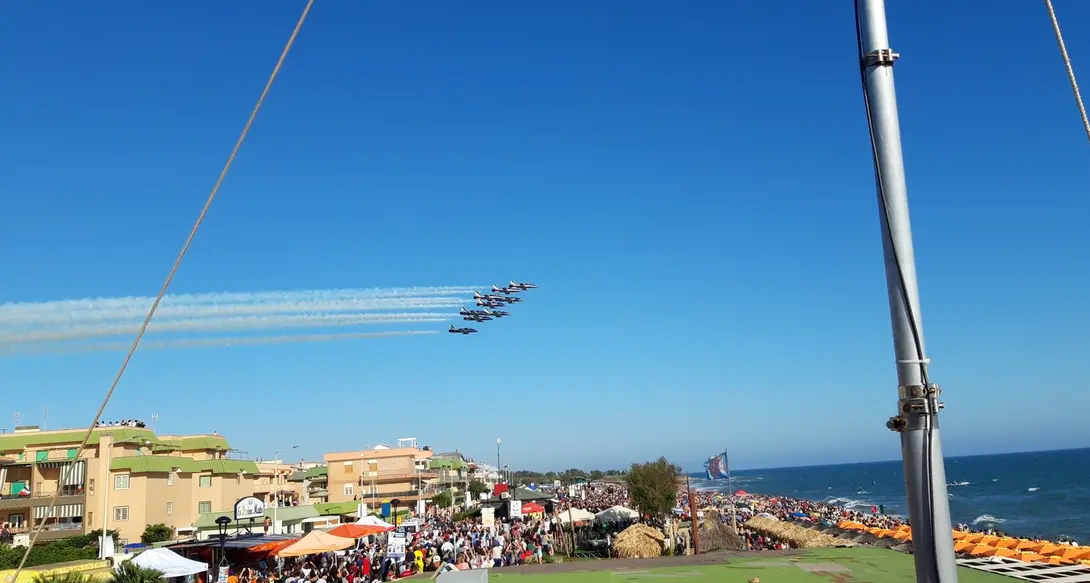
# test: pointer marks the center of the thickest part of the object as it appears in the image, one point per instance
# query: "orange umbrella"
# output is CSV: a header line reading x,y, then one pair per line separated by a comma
x,y
903,535
1002,552
980,550
989,540
885,533
1055,561
1049,548
1030,557
1073,553
1006,543
356,530
962,546
973,537
960,534
273,547
1027,545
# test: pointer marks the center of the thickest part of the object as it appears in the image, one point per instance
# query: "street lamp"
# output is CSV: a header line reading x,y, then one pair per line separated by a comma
x,y
276,495
498,466
222,523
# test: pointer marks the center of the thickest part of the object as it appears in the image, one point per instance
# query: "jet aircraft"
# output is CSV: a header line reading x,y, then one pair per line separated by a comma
x,y
491,303
520,286
462,331
496,313
465,312
504,290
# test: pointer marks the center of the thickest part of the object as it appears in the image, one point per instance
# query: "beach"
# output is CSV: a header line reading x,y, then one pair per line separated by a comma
x,y
1037,494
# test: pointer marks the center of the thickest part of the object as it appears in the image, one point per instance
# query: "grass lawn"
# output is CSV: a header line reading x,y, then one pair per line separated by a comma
x,y
857,565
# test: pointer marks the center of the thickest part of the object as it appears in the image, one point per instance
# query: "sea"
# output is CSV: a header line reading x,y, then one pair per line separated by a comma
x,y
1045,493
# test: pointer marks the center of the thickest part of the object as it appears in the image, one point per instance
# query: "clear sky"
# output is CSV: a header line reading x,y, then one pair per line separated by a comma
x,y
690,184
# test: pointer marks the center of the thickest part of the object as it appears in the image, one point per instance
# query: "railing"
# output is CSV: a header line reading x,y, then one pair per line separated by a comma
x,y
65,491
55,527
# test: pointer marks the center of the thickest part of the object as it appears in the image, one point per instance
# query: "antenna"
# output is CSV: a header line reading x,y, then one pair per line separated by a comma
x,y
16,417
154,418
45,417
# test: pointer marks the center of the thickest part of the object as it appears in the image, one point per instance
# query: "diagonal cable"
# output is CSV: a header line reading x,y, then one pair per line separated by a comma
x,y
169,278
1067,64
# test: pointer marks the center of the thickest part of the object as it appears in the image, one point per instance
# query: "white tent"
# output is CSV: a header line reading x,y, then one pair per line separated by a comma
x,y
169,563
577,514
373,521
617,514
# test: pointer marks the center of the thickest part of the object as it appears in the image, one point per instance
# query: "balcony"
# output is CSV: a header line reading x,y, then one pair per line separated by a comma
x,y
53,531
69,495
385,477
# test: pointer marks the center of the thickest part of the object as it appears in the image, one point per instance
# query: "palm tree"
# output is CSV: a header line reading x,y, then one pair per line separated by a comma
x,y
69,577
129,572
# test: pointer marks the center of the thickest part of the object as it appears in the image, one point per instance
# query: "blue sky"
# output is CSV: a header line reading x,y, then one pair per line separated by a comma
x,y
691,187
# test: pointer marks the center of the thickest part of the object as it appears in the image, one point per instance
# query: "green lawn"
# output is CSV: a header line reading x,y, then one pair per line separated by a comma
x,y
858,565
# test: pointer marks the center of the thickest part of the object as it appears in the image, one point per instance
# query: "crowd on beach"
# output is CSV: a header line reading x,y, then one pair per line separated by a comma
x,y
444,542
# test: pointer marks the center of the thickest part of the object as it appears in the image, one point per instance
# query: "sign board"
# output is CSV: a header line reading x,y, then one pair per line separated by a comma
x,y
516,509
385,509
249,507
395,545
488,516
222,578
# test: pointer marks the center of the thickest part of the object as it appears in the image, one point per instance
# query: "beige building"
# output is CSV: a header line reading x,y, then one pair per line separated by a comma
x,y
125,479
378,475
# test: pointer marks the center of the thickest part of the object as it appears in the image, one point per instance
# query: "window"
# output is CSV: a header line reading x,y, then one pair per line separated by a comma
x,y
204,507
91,486
16,520
349,490
348,467
206,482
90,518
170,478
121,513
170,508
121,482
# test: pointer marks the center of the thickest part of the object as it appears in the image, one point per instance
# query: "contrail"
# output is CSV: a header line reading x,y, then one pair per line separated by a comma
x,y
221,324
230,303
203,342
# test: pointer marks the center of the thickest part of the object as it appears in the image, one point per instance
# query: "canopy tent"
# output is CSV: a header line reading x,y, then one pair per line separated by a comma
x,y
317,542
373,521
576,514
169,563
532,508
617,514
357,530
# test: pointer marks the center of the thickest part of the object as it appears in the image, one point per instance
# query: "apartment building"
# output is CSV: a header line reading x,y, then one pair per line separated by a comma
x,y
378,475
124,479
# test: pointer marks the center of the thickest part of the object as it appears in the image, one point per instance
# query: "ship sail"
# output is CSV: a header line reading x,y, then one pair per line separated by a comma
x,y
718,467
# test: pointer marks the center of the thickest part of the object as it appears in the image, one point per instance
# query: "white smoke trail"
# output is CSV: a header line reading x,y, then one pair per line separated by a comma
x,y
32,314
221,324
46,349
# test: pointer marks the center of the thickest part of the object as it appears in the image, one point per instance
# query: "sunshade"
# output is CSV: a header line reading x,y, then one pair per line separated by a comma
x,y
617,514
317,542
169,563
373,521
576,514
532,507
357,530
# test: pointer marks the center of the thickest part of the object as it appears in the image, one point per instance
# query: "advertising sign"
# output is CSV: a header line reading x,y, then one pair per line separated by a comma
x,y
488,516
249,507
395,545
516,509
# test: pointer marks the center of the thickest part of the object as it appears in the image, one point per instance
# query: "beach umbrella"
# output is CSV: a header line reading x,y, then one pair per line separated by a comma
x,y
903,535
1055,561
1029,557
888,543
973,537
1048,549
962,546
887,533
960,534
1006,543
989,540
356,530
1027,545
980,550
903,547
1073,553
1002,552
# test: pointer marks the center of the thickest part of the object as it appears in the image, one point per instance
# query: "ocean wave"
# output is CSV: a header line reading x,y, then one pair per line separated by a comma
x,y
963,483
848,503
988,519
1034,489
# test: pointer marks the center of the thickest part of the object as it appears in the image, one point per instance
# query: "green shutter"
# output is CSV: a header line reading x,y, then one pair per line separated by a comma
x,y
41,456
72,454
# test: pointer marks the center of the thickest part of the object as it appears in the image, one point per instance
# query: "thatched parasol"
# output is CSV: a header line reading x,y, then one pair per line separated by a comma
x,y
797,536
719,536
639,541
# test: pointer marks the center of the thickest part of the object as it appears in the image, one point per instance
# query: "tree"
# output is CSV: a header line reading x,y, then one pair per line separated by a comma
x,y
477,487
157,533
129,572
444,498
652,486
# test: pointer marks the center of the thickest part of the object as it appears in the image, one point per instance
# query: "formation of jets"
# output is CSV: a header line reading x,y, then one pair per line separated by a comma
x,y
501,297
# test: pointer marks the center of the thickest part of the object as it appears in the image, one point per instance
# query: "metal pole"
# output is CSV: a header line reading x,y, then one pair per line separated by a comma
x,y
694,522
276,495
106,495
918,399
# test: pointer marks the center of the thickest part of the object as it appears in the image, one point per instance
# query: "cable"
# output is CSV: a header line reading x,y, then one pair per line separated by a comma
x,y
903,289
169,278
1070,69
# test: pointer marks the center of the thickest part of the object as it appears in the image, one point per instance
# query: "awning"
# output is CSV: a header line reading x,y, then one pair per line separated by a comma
x,y
317,542
59,511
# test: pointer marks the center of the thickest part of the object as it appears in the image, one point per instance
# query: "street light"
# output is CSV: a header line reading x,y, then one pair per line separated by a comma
x,y
222,523
276,495
498,466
